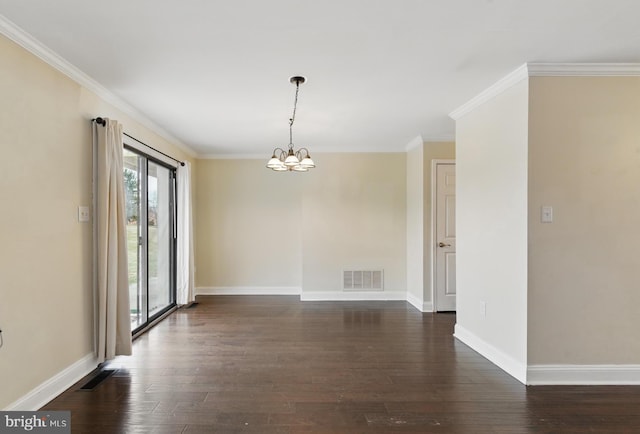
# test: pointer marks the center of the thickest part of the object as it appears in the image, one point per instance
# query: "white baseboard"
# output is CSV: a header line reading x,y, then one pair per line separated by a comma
x,y
353,295
310,295
55,385
248,290
418,303
583,375
415,301
511,366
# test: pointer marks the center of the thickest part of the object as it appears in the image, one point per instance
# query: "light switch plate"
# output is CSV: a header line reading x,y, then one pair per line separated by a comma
x,y
83,213
546,214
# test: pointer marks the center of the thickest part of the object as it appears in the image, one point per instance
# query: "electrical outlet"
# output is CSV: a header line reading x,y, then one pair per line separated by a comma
x,y
483,308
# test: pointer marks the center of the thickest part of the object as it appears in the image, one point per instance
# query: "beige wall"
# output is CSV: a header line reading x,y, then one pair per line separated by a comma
x,y
354,215
261,230
584,153
432,151
491,225
415,224
45,254
582,157
249,226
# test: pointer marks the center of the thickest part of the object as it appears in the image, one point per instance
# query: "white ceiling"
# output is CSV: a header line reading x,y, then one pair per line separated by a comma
x,y
215,74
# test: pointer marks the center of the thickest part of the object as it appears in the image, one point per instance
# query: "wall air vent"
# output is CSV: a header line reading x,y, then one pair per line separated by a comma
x,y
363,280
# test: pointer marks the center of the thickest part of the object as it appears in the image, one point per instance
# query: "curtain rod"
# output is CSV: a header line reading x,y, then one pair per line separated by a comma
x,y
101,121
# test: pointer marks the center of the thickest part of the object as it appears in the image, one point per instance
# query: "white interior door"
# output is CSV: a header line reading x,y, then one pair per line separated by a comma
x,y
445,238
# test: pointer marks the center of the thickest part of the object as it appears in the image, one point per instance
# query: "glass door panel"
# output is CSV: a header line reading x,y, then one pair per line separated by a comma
x,y
160,237
133,168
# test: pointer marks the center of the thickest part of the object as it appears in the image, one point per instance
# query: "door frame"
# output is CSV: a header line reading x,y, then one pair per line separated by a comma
x,y
149,157
434,196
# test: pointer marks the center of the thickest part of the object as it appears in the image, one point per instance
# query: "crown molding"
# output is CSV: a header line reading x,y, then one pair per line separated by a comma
x,y
414,143
547,70
491,92
264,156
44,53
583,69
439,139
420,140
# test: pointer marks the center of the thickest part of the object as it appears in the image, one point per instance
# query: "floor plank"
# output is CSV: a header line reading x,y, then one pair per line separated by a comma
x,y
277,365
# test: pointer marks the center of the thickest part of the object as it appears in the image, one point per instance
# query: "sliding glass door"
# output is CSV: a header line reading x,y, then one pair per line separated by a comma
x,y
160,240
150,203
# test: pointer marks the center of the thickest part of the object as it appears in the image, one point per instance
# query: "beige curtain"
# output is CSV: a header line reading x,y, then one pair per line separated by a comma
x,y
113,323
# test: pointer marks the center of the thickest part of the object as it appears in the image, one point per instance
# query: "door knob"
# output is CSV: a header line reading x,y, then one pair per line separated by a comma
x,y
441,244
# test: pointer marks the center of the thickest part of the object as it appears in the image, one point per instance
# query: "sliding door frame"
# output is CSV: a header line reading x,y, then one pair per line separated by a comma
x,y
143,267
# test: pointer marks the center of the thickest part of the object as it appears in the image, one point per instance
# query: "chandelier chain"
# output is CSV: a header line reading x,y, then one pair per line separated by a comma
x,y
293,116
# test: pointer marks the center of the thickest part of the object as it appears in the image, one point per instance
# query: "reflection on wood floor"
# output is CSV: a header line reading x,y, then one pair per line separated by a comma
x,y
277,365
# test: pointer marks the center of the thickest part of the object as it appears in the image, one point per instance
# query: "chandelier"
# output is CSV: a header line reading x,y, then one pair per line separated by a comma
x,y
291,160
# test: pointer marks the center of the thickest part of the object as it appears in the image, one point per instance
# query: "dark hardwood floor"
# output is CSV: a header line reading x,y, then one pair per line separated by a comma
x,y
278,365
